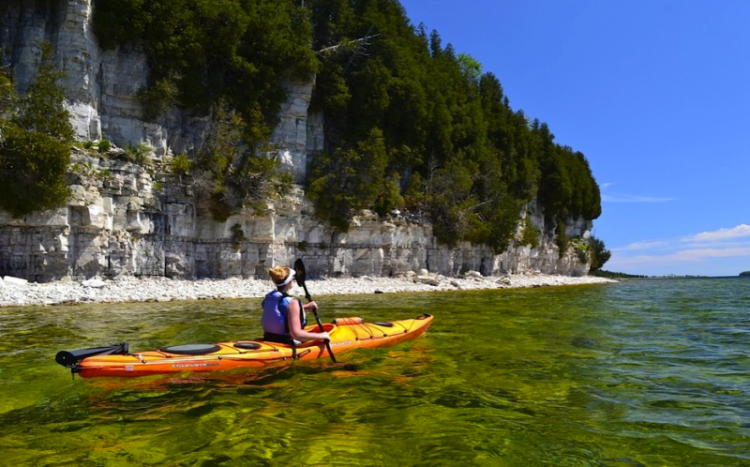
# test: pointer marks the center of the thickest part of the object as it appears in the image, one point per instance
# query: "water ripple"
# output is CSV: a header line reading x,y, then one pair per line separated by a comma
x,y
637,374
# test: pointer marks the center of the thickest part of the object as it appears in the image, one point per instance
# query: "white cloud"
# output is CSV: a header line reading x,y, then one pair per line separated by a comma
x,y
708,253
679,256
640,246
705,248
742,230
623,198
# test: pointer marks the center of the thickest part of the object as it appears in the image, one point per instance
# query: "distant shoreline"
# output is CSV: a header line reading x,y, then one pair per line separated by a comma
x,y
18,293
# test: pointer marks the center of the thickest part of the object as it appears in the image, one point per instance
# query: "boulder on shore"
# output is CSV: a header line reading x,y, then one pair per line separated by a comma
x,y
15,281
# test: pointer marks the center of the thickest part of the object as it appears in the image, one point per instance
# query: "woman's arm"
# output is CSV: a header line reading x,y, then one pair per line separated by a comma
x,y
295,325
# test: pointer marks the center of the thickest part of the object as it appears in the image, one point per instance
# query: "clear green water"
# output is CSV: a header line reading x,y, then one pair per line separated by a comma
x,y
649,373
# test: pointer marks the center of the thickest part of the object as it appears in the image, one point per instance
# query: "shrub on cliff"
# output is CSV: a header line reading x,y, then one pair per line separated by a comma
x,y
180,164
34,149
229,171
529,234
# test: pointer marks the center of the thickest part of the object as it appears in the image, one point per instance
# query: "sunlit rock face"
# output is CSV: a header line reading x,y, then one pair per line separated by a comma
x,y
126,219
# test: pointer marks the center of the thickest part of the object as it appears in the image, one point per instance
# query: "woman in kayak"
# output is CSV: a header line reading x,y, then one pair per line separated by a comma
x,y
284,317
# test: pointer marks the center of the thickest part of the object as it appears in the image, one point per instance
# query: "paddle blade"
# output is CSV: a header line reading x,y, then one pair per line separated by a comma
x,y
299,271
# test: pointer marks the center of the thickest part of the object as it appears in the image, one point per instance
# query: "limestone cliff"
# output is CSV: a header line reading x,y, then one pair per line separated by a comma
x,y
134,220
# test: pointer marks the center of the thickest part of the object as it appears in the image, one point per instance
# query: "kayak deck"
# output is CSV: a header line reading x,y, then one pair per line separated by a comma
x,y
345,334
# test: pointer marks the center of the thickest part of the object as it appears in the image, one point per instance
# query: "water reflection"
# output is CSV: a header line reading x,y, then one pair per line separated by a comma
x,y
635,374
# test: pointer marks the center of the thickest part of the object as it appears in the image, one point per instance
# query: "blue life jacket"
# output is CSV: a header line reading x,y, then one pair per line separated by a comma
x,y
275,318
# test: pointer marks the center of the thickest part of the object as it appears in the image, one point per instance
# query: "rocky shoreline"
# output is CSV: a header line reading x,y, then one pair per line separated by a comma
x,y
18,292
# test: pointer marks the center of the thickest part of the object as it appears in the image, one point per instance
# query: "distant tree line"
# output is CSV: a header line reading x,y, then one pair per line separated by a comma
x,y
409,122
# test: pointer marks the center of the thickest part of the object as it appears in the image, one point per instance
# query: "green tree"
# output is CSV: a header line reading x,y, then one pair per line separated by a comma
x,y
599,253
34,144
529,234
354,179
498,211
32,171
41,110
451,204
470,66
229,171
561,238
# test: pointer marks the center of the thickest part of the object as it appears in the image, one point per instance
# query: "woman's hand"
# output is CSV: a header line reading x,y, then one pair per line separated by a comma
x,y
311,306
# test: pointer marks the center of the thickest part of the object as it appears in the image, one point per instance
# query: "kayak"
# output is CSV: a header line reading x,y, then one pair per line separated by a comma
x,y
345,334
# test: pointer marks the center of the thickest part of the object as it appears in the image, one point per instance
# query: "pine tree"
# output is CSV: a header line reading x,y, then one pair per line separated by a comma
x,y
41,110
34,150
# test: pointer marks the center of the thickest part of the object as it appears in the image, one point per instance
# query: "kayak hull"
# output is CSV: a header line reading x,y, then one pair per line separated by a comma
x,y
346,334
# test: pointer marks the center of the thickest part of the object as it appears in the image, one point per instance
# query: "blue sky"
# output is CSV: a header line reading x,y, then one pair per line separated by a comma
x,y
655,93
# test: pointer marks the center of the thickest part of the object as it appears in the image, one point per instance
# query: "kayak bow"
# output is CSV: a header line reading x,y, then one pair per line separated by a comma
x,y
346,334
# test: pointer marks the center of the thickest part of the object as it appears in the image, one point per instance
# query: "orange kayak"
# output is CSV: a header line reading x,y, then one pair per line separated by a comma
x,y
345,333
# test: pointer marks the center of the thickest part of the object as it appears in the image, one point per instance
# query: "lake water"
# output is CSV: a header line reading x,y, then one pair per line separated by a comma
x,y
640,373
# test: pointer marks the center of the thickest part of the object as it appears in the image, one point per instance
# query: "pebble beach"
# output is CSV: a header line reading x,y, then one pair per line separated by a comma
x,y
18,292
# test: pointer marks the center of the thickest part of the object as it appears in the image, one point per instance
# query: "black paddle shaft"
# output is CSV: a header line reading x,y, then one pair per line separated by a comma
x,y
299,271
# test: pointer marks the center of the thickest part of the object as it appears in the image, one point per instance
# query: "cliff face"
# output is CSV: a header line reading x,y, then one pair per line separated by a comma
x,y
127,219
